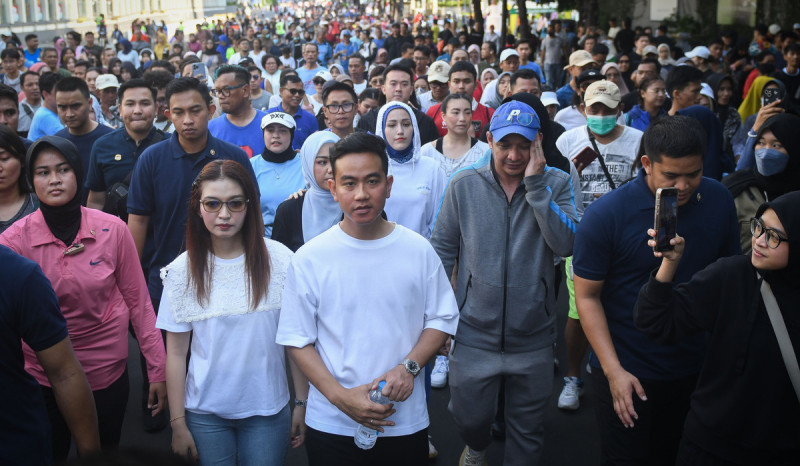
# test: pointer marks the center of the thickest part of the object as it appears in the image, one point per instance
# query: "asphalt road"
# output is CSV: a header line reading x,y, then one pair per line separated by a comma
x,y
571,437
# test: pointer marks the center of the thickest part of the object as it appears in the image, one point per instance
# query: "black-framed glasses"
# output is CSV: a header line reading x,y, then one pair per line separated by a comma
x,y
774,238
225,91
300,92
215,205
338,108
523,119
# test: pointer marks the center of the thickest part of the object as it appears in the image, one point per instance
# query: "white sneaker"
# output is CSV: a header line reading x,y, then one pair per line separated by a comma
x,y
432,451
570,397
470,457
439,373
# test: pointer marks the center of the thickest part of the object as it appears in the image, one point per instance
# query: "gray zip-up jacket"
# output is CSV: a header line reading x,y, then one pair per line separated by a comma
x,y
505,254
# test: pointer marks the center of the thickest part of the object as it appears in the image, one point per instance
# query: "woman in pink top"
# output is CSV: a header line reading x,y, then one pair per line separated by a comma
x,y
90,258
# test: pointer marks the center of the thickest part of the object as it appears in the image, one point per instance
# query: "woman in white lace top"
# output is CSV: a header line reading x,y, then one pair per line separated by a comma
x,y
222,296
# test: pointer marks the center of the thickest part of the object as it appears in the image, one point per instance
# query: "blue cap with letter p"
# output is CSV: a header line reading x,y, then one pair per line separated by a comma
x,y
514,117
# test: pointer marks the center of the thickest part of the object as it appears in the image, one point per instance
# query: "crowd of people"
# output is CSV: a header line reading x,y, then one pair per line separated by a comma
x,y
287,208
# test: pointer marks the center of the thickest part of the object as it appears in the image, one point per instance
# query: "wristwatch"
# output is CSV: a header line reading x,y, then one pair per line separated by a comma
x,y
302,403
412,367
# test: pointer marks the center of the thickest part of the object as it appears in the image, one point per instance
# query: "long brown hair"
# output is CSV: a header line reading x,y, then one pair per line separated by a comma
x,y
198,238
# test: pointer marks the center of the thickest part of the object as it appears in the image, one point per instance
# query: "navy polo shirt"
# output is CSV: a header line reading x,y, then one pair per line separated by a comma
x,y
85,143
29,312
161,187
611,246
114,155
306,125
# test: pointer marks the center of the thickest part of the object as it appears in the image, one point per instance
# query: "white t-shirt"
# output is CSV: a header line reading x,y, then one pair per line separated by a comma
x,y
364,305
359,88
289,63
236,369
416,193
449,165
619,157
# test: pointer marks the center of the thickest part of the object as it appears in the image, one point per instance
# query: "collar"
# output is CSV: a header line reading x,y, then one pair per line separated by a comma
x,y
646,200
474,105
210,151
42,235
796,73
296,115
127,137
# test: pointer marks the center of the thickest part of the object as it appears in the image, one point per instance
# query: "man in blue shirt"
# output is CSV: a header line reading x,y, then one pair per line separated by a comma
x,y
310,68
291,97
29,312
524,50
240,122
73,104
163,175
113,156
45,121
344,49
32,50
612,261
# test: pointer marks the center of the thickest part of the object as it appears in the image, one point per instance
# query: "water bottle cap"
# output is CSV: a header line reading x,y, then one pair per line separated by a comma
x,y
381,384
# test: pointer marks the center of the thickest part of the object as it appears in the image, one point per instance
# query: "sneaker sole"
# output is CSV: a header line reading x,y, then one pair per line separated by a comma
x,y
439,385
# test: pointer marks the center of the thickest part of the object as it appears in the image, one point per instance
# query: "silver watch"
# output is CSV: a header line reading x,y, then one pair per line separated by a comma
x,y
412,367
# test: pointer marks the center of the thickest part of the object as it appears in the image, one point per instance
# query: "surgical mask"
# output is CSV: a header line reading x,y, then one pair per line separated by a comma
x,y
601,125
771,161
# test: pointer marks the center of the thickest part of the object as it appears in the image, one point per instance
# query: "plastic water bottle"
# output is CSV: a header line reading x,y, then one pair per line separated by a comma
x,y
365,437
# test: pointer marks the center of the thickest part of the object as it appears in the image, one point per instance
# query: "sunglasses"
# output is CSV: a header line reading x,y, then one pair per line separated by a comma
x,y
255,77
300,92
214,205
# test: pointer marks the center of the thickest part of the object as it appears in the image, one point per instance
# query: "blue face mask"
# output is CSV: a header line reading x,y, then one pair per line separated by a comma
x,y
601,125
771,161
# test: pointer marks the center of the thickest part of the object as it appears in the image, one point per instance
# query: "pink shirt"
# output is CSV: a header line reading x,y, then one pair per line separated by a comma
x,y
100,290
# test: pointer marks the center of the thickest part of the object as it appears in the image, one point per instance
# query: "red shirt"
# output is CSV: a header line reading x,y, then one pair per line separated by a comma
x,y
480,117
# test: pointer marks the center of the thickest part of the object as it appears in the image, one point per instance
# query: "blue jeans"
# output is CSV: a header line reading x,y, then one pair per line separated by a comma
x,y
256,440
552,73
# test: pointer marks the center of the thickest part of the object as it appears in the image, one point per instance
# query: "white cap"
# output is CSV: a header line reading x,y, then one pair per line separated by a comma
x,y
105,81
774,29
508,53
706,90
278,118
699,51
549,98
324,74
650,49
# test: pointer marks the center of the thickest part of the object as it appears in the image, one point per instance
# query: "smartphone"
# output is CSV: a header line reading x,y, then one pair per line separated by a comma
x,y
666,221
585,157
771,95
198,69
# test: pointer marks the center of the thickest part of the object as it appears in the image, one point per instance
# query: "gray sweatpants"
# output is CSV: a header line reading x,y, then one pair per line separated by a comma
x,y
475,376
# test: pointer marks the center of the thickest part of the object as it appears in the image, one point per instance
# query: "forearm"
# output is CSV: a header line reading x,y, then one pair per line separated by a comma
x,y
177,344
595,326
76,403
428,344
137,224
299,380
666,272
311,365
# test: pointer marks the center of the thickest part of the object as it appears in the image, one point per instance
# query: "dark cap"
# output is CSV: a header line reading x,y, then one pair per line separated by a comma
x,y
589,76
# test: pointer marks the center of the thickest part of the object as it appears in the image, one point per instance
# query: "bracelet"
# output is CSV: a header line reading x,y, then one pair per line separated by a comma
x,y
302,403
176,418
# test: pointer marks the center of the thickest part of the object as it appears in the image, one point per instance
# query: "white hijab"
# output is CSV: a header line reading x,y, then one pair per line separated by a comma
x,y
320,211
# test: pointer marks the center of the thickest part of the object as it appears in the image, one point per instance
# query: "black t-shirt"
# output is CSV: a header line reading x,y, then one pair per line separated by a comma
x,y
287,228
29,312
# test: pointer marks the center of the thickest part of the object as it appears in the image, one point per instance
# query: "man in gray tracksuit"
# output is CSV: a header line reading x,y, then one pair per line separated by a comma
x,y
504,222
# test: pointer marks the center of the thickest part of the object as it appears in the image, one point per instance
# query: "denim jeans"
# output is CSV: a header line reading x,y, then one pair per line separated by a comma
x,y
256,440
552,73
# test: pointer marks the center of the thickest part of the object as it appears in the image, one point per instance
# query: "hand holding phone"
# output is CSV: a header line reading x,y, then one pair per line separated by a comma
x,y
666,219
199,70
771,95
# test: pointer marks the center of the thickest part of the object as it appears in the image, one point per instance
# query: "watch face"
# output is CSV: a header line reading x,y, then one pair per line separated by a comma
x,y
412,366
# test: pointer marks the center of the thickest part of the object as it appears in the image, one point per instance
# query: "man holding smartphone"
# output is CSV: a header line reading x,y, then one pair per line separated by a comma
x,y
642,388
603,152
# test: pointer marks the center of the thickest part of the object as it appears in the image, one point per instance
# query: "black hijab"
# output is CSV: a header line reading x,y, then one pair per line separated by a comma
x,y
550,130
715,81
280,157
785,128
784,282
64,221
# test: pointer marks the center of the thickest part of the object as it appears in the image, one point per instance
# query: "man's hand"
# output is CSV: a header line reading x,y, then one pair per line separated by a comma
x,y
765,113
622,384
399,384
157,400
445,349
355,403
537,161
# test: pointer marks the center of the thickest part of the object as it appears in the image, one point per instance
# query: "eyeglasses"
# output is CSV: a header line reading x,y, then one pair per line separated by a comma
x,y
255,77
623,61
524,119
437,84
300,92
773,237
319,82
338,108
215,205
225,91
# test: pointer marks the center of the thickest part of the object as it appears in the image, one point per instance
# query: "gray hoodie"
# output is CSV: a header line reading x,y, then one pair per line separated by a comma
x,y
505,254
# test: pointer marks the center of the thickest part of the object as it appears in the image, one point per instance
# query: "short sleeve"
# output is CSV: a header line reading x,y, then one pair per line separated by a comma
x,y
297,326
165,320
593,251
95,180
140,194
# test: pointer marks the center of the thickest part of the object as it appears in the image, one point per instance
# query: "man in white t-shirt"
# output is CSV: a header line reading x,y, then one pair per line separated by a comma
x,y
618,146
364,302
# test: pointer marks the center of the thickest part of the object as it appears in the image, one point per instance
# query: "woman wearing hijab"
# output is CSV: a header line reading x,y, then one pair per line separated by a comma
x,y
91,260
128,54
211,57
222,48
278,169
744,139
419,182
744,409
626,68
715,162
488,75
496,91
299,219
665,59
612,73
776,171
16,200
723,85
752,101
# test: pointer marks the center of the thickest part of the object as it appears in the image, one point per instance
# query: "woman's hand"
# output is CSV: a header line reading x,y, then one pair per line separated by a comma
x,y
297,195
298,433
182,440
157,399
675,254
765,112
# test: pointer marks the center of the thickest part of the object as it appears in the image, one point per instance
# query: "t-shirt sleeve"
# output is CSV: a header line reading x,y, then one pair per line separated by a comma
x,y
94,177
297,326
166,320
593,252
41,323
141,198
441,309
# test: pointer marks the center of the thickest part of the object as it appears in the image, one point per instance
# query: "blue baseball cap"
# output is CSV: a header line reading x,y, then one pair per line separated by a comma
x,y
514,117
